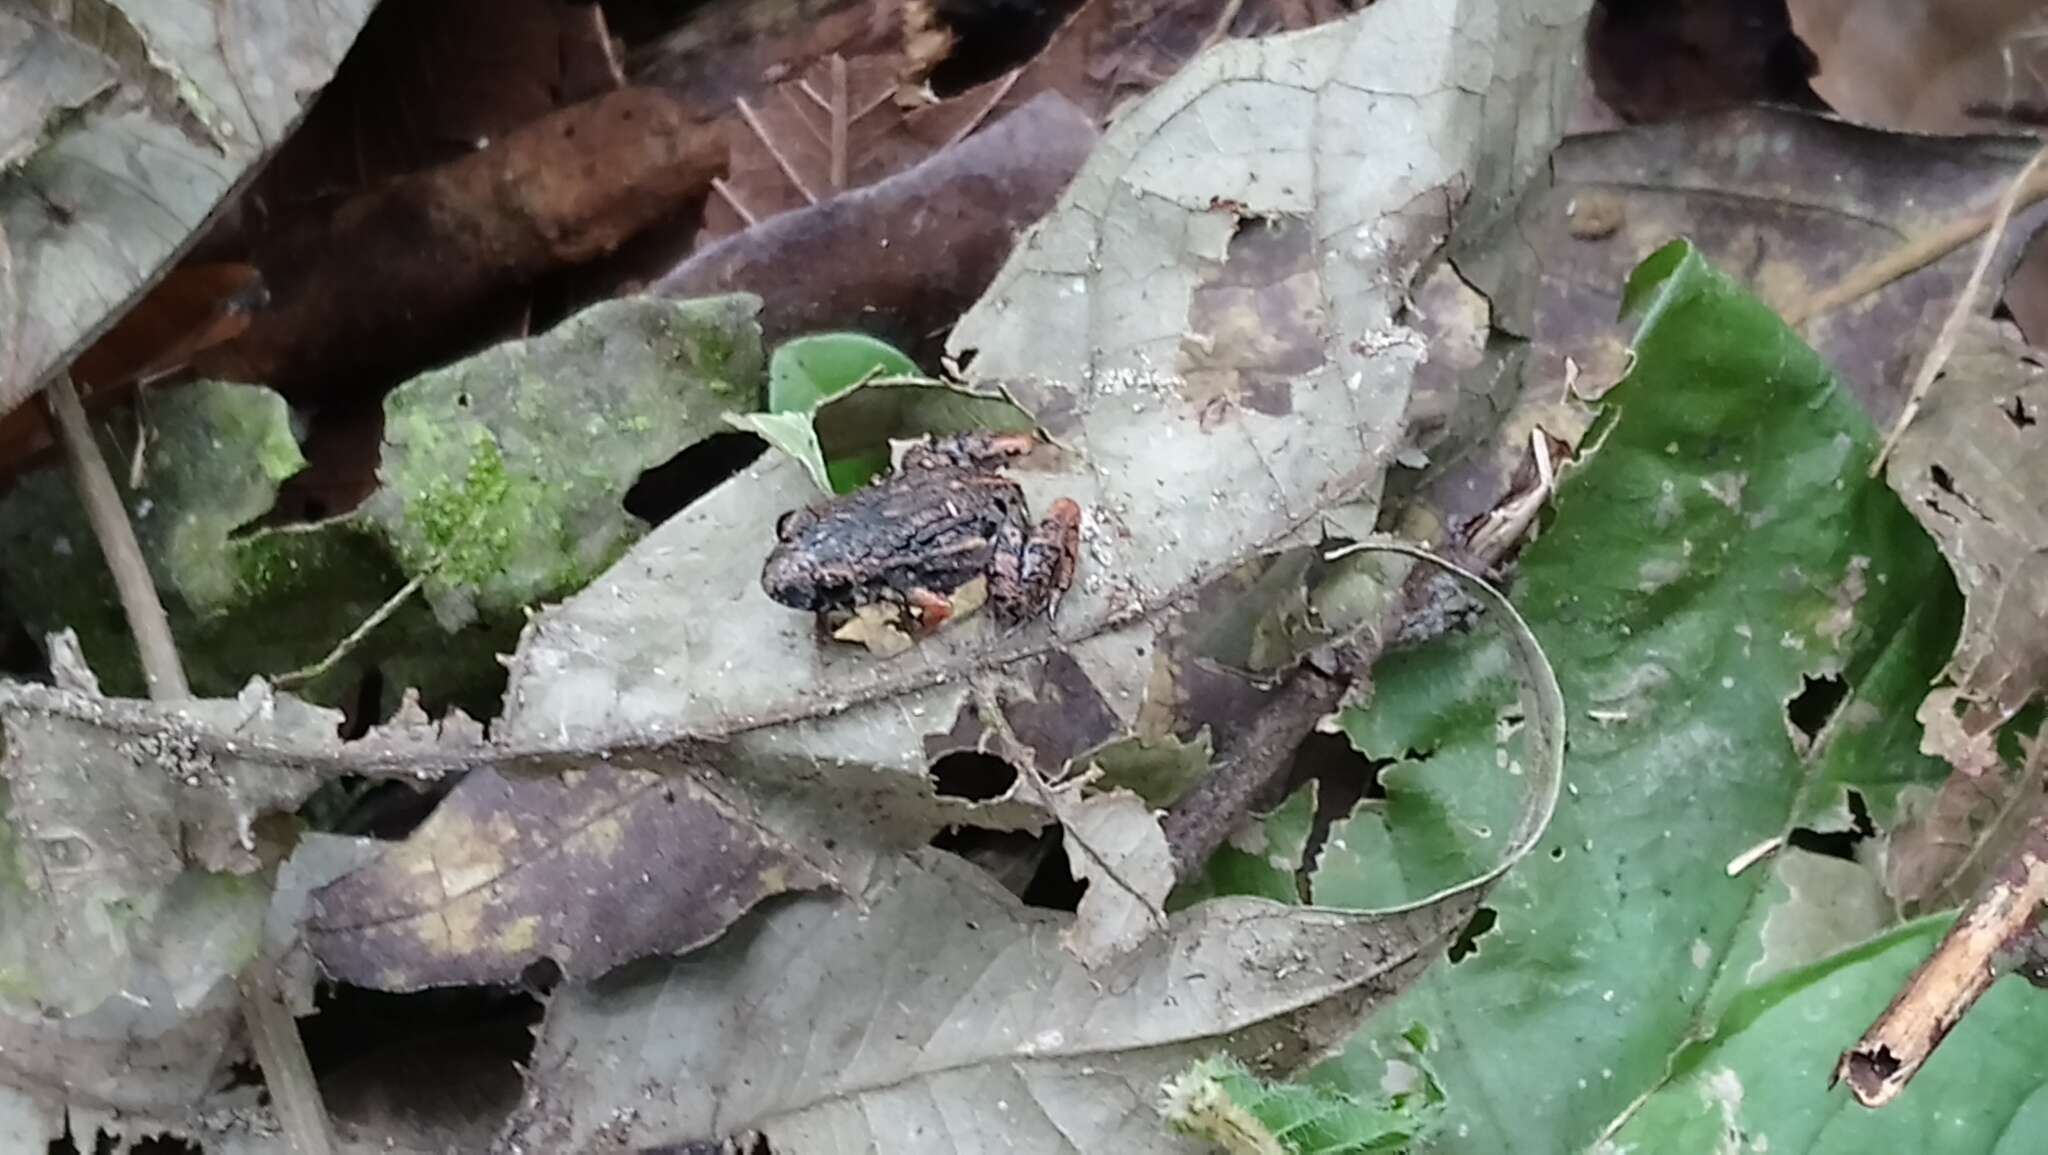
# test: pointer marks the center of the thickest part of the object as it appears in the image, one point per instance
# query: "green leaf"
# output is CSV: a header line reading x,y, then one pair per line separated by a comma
x,y
1261,859
837,400
1219,1100
1756,1082
805,371
1719,545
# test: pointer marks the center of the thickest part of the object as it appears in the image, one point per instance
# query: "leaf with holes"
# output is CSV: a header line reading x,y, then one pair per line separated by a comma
x,y
940,1014
1718,549
1212,345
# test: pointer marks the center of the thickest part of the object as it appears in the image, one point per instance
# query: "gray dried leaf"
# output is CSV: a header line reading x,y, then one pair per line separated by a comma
x,y
126,122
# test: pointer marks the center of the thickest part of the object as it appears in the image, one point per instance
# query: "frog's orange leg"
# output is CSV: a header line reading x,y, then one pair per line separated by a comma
x,y
932,609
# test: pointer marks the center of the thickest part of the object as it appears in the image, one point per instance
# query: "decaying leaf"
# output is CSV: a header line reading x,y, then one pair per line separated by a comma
x,y
130,897
987,1010
128,125
607,866
110,834
945,1015
1114,845
1972,467
1818,199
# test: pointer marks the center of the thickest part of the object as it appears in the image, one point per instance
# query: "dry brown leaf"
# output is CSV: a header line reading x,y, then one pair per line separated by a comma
x,y
1928,65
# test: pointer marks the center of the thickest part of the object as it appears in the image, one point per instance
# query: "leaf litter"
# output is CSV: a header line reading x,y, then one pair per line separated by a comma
x,y
833,794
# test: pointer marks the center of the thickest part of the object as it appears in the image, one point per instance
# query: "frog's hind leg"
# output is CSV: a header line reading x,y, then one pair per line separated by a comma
x,y
1032,570
931,609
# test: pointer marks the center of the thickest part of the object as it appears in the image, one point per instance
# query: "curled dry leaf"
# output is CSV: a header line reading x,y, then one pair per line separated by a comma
x,y
126,125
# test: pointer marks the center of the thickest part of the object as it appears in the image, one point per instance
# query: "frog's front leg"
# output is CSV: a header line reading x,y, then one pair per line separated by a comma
x,y
1034,566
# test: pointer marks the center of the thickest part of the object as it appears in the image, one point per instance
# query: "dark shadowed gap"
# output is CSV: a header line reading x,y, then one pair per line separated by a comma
x,y
106,1144
20,656
1818,697
1837,843
992,37
1053,887
426,1054
1011,857
1343,777
1467,942
669,488
972,775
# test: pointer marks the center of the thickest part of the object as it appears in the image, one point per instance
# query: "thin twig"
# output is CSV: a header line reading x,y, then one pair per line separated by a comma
x,y
1917,253
1002,89
273,1033
281,1052
732,200
109,521
1965,307
753,120
355,638
837,171
1974,952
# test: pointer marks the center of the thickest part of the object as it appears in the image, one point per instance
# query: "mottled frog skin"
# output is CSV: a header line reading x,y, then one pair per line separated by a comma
x,y
944,518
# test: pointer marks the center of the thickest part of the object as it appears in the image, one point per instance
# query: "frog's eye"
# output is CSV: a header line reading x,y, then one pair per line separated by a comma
x,y
792,522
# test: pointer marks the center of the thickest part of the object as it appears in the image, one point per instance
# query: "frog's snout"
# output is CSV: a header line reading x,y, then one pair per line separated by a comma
x,y
788,581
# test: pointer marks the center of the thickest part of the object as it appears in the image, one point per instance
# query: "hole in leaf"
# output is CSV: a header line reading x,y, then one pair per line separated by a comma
x,y
669,488
1557,853
540,977
1343,777
1482,921
1837,843
362,709
1816,701
1011,857
419,1052
1052,885
1942,480
2019,414
973,775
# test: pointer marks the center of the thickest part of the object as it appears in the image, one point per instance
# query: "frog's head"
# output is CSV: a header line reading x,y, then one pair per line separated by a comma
x,y
789,579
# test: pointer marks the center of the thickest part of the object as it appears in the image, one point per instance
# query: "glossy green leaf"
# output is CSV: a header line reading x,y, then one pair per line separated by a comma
x,y
1718,546
805,371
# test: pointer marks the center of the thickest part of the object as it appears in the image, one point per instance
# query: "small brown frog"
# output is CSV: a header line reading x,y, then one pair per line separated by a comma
x,y
914,539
